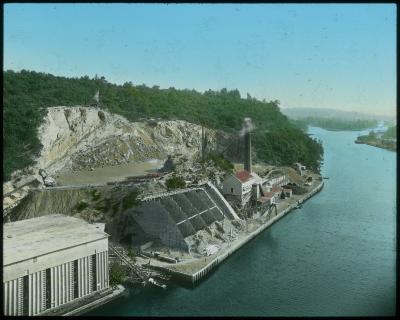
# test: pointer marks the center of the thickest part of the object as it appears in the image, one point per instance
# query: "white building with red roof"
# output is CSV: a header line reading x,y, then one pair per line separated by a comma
x,y
238,186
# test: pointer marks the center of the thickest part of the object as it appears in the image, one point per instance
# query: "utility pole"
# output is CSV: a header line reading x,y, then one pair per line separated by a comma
x,y
202,145
96,98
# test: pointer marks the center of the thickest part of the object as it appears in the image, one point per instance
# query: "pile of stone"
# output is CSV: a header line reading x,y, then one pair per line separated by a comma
x,y
48,181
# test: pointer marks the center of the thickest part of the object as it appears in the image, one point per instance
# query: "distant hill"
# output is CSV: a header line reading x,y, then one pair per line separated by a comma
x,y
28,94
301,113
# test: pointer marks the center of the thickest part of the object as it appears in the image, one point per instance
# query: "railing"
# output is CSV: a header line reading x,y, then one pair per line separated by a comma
x,y
169,193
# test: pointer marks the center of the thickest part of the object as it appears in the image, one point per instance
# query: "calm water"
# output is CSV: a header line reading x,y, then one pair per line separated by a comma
x,y
334,257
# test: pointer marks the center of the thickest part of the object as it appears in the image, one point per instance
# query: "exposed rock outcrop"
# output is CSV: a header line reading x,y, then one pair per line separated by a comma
x,y
83,138
50,182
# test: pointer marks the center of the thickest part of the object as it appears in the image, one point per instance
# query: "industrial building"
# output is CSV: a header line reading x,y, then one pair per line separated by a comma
x,y
173,216
241,187
300,168
268,198
238,187
288,192
51,261
279,180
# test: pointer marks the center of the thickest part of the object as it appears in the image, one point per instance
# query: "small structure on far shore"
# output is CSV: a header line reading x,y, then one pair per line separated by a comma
x,y
299,168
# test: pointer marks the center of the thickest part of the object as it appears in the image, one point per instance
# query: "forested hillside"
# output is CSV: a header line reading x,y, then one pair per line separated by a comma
x,y
335,124
27,94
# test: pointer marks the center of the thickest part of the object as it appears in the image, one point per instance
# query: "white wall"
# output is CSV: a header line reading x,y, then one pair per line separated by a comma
x,y
52,259
232,182
280,181
62,280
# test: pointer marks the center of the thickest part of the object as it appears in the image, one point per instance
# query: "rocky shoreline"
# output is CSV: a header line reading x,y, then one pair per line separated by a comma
x,y
379,144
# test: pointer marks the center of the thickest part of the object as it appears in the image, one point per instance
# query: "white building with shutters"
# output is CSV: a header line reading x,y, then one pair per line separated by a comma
x,y
50,261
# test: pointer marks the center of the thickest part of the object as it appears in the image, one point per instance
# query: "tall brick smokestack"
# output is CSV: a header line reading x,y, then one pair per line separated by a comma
x,y
247,151
246,132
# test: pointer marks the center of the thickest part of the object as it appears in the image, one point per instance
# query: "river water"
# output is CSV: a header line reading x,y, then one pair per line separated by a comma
x,y
334,257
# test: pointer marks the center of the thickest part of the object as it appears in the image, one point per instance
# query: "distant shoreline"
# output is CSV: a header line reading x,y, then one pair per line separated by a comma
x,y
378,144
337,130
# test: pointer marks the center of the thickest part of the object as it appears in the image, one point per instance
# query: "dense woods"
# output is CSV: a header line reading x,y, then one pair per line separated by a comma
x,y
334,124
28,93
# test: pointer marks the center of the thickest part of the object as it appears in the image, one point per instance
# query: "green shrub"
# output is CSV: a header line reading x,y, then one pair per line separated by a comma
x,y
131,255
175,183
115,208
95,194
130,200
81,205
116,274
220,162
101,206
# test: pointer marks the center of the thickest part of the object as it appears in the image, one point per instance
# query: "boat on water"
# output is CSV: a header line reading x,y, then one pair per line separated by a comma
x,y
298,206
156,283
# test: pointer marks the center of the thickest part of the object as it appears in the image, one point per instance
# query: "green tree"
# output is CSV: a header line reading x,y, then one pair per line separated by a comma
x,y
116,274
175,183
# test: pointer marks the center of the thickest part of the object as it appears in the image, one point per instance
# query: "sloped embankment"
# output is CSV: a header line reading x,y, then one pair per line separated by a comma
x,y
92,204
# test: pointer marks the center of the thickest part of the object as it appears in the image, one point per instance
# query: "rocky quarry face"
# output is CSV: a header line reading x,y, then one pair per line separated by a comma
x,y
79,138
82,138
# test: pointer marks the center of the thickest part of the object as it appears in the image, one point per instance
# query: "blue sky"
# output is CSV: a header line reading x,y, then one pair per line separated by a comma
x,y
331,56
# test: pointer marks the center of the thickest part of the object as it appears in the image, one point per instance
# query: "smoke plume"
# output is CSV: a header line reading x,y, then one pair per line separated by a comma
x,y
96,96
247,126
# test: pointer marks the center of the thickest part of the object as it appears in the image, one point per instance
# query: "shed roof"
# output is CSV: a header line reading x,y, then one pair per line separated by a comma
x,y
276,188
269,194
263,199
30,238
